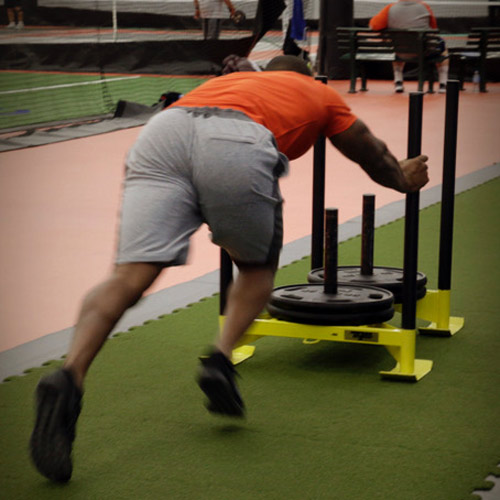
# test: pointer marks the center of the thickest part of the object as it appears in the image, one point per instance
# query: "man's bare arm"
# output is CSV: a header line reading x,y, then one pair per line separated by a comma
x,y
230,6
359,145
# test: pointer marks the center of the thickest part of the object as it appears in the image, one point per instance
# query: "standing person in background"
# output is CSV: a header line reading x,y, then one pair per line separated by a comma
x,y
211,13
294,29
410,14
15,9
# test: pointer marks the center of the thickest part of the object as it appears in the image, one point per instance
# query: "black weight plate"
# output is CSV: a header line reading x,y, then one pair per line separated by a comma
x,y
311,298
333,318
390,278
398,295
382,277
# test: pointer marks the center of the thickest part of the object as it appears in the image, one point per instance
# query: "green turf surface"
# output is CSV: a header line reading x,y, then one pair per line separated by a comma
x,y
321,423
29,98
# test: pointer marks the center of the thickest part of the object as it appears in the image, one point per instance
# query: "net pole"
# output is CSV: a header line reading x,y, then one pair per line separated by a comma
x,y
115,22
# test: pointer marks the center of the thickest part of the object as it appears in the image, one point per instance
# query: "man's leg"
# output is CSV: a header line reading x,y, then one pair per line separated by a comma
x,y
102,308
20,18
247,298
204,23
397,68
443,69
159,213
58,395
245,219
11,16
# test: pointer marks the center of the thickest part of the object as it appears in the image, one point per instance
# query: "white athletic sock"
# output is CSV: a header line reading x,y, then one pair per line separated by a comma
x,y
443,73
398,71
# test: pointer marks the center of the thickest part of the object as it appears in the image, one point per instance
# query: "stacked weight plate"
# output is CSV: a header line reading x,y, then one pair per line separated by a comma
x,y
330,303
389,278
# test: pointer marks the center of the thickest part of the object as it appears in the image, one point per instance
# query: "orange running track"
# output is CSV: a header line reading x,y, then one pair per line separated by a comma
x,y
60,203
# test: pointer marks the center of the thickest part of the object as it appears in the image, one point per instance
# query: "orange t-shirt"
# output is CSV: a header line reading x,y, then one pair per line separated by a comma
x,y
294,107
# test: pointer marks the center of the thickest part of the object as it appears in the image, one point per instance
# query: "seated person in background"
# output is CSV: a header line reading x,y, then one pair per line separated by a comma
x,y
409,14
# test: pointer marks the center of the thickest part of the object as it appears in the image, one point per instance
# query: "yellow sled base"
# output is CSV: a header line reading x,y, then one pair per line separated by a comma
x,y
399,342
435,308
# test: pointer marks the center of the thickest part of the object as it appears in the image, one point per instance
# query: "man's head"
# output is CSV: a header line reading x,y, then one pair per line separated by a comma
x,y
289,63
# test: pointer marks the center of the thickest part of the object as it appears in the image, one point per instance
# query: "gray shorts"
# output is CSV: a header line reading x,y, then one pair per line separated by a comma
x,y
195,165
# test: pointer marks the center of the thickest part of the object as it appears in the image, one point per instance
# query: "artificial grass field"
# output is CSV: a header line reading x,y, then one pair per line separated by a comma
x,y
321,423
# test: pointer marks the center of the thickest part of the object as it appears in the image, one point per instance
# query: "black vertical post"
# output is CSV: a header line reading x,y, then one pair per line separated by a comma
x,y
409,302
482,60
448,185
367,234
331,250
333,14
225,277
318,201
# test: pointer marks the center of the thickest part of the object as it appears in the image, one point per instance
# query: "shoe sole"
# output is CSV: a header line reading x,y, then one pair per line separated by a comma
x,y
50,448
221,401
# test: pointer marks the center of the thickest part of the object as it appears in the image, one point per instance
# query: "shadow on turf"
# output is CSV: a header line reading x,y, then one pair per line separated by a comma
x,y
331,357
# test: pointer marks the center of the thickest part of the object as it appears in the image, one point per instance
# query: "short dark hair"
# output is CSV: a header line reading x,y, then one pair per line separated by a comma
x,y
289,63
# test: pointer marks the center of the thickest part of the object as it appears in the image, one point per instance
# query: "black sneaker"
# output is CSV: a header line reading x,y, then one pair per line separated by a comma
x,y
398,87
216,380
58,404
